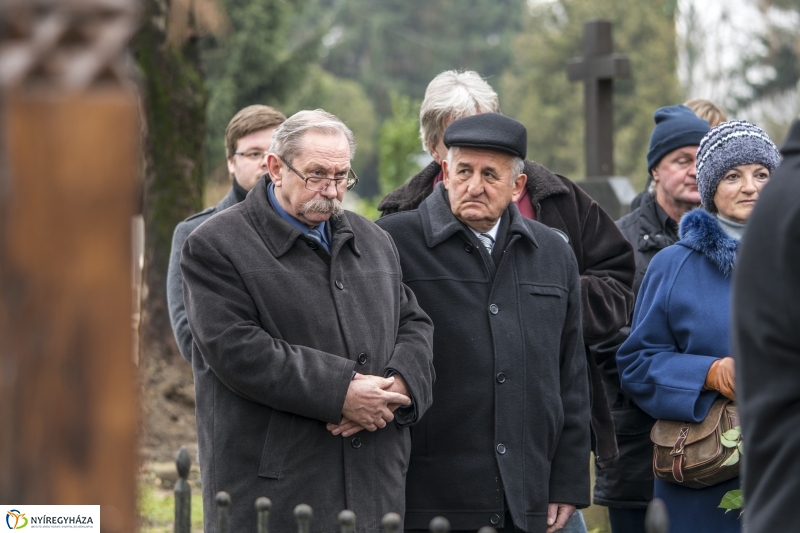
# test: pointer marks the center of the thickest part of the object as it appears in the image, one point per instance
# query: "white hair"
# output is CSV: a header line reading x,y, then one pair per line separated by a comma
x,y
286,138
450,96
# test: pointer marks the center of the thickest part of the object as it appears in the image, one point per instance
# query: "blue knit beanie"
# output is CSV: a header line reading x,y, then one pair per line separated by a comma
x,y
676,126
729,145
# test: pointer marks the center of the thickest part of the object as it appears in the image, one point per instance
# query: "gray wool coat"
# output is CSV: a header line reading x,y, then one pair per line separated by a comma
x,y
510,425
177,310
279,327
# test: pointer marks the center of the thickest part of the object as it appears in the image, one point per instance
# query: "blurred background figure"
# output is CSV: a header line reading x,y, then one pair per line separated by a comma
x,y
707,110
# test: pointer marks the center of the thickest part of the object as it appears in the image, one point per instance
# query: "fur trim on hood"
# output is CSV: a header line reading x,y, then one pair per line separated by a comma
x,y
701,231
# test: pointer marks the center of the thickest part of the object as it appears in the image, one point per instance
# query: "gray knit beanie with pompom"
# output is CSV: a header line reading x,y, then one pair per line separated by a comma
x,y
729,145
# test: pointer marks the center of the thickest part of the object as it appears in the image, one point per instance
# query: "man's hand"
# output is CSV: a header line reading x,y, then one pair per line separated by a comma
x,y
558,515
399,385
368,399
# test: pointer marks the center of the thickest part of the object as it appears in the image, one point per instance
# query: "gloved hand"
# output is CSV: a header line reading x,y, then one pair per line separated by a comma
x,y
720,377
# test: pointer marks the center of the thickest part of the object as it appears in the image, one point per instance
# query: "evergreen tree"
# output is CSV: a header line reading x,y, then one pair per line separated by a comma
x,y
263,62
535,89
396,46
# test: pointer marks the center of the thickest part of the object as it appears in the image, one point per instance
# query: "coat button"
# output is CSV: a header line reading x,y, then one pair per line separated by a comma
x,y
495,519
339,285
362,359
646,237
501,378
494,309
501,449
356,443
312,245
468,248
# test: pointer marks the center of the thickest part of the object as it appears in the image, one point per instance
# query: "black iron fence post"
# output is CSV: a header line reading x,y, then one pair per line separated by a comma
x,y
347,521
183,493
440,524
263,505
656,520
223,519
303,515
391,522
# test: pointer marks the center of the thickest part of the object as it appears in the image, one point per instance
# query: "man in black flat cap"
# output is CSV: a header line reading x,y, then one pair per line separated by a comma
x,y
507,439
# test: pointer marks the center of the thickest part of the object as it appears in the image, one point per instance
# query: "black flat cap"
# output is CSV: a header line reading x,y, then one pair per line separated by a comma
x,y
490,131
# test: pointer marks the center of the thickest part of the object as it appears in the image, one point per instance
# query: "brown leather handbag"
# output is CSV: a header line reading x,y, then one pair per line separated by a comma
x,y
691,454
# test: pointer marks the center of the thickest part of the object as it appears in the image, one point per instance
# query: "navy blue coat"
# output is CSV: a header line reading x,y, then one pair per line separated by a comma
x,y
681,325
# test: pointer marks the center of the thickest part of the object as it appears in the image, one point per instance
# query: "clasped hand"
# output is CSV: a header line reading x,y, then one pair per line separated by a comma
x,y
370,404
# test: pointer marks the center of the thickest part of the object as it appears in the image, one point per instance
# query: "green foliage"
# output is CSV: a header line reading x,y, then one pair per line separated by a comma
x,y
398,143
347,100
263,62
399,46
535,89
733,499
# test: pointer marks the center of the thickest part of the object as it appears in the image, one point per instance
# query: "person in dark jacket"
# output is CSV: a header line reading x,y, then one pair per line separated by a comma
x,y
605,258
507,440
677,359
300,319
627,486
247,140
766,348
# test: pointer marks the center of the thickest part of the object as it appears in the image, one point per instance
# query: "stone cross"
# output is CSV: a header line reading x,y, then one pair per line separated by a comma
x,y
597,69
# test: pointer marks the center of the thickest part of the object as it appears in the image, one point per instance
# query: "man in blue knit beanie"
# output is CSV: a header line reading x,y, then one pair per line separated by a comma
x,y
626,487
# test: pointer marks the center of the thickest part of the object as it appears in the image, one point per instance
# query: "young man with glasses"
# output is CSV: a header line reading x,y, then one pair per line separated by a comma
x,y
247,140
303,336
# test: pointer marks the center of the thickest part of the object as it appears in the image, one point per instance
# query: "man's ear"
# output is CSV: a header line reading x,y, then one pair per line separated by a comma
x,y
231,167
274,166
445,173
519,186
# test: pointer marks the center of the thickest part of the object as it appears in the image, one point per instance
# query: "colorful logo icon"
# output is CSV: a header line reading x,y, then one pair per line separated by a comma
x,y
18,519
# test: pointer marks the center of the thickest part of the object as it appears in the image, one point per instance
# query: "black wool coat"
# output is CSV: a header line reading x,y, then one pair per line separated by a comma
x,y
629,482
605,264
766,345
511,416
279,327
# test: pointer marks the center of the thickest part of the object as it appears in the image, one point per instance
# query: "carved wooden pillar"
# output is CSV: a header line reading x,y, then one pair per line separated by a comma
x,y
68,172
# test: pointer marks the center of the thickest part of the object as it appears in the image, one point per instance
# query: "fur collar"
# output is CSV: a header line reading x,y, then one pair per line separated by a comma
x,y
700,231
541,184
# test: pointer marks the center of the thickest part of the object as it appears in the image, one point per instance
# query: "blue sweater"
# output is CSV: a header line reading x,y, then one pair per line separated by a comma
x,y
681,323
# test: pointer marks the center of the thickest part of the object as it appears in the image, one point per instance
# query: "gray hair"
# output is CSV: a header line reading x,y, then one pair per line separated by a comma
x,y
517,164
450,96
287,137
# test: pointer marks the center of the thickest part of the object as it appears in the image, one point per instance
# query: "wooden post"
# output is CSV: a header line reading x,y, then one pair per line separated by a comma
x,y
70,152
183,493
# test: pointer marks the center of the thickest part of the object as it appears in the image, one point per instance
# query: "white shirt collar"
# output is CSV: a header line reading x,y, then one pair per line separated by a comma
x,y
492,232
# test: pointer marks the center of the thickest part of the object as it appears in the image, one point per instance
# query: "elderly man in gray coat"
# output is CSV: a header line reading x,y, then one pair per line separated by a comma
x,y
299,319
507,440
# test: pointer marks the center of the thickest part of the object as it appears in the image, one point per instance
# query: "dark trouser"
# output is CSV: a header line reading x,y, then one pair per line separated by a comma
x,y
626,520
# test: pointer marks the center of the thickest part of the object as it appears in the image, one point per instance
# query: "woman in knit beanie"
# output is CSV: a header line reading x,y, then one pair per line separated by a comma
x,y
676,361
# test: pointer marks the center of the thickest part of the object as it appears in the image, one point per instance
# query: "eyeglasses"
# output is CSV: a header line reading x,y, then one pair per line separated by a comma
x,y
320,184
255,155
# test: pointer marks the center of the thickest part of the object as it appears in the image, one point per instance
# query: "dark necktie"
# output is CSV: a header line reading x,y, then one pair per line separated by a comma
x,y
316,237
487,241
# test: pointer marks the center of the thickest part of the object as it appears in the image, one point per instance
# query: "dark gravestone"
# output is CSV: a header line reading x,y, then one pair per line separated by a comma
x,y
597,69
